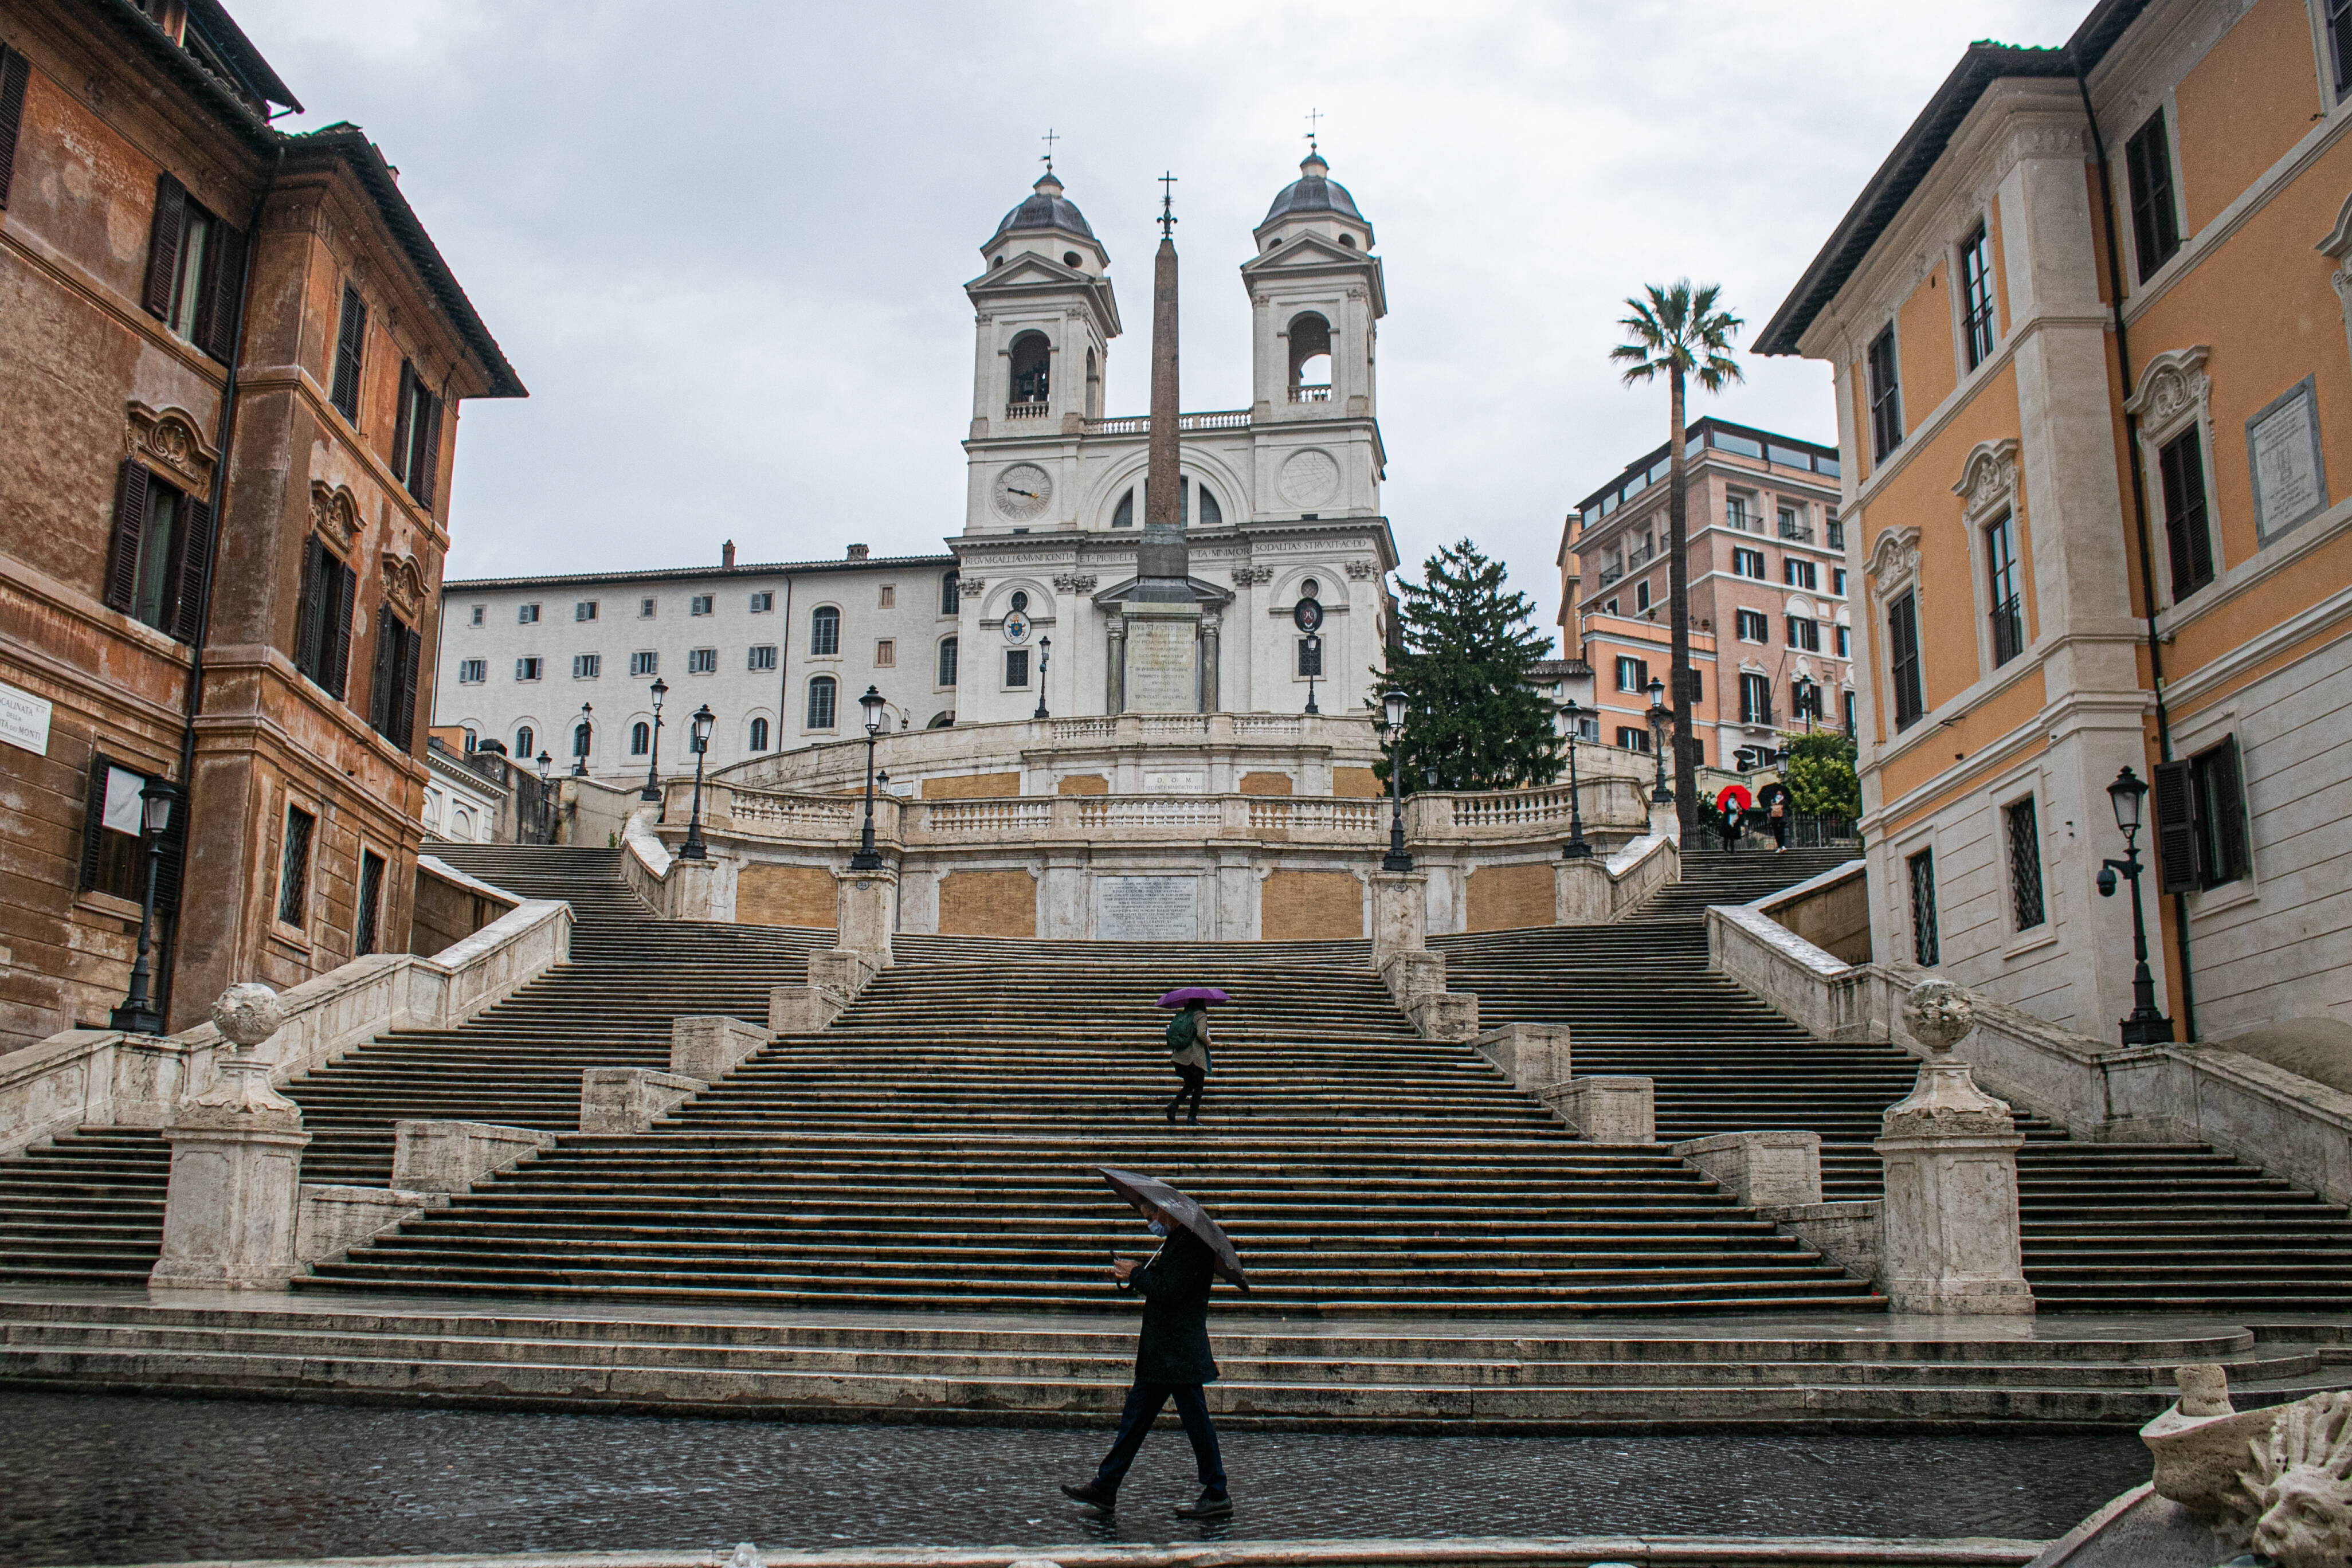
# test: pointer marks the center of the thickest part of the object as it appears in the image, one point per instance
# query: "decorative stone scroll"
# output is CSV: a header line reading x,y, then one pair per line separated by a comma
x,y
1363,571
1076,582
1894,562
1252,576
167,439
334,514
404,588
1989,480
2173,389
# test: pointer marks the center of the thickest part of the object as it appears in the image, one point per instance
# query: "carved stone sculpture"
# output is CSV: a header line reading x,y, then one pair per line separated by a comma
x,y
1939,1015
2299,1485
247,1014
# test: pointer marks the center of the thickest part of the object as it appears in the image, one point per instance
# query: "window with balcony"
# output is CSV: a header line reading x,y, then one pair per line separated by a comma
x,y
1735,513
1975,296
1835,530
2155,216
1794,526
2007,612
1886,393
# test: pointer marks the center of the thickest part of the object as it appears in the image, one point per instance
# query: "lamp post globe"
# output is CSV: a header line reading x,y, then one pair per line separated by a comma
x,y
1576,848
1392,707
158,798
2127,794
873,703
659,689
699,729
2146,1025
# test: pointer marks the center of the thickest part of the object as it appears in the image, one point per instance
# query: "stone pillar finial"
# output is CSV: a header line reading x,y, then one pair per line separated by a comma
x,y
1939,1016
231,1206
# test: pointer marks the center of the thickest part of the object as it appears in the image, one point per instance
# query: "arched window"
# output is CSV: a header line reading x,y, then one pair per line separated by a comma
x,y
470,739
820,703
825,632
1032,359
950,593
1123,514
947,662
523,744
580,738
1209,514
942,720
641,738
1094,388
1310,359
759,734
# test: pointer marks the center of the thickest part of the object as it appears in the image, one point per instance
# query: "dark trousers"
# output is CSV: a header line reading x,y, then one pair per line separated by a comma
x,y
1143,1405
1781,831
1194,1082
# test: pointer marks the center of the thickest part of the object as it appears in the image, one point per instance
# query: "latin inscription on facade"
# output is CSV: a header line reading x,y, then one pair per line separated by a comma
x,y
1161,676
2283,450
1148,909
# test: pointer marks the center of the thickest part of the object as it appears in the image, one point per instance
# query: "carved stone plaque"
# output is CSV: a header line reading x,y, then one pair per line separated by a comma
x,y
1148,909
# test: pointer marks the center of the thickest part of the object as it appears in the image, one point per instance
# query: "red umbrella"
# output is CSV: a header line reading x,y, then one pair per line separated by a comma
x,y
1183,993
1138,1188
1734,795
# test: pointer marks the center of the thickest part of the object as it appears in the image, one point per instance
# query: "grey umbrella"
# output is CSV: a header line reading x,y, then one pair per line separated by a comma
x,y
1140,1189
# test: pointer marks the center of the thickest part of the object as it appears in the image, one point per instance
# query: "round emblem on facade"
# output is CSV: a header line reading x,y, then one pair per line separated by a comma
x,y
1307,615
1309,479
1022,491
1016,627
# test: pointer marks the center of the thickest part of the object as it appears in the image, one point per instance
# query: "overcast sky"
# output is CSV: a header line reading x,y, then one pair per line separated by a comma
x,y
724,243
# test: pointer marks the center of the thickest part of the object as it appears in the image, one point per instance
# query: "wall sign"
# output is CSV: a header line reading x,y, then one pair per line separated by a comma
x,y
25,720
2290,480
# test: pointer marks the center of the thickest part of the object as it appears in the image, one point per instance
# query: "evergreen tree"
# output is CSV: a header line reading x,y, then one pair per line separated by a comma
x,y
1468,645
1820,773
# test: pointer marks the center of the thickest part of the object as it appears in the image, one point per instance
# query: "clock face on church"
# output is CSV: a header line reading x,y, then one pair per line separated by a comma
x,y
1022,491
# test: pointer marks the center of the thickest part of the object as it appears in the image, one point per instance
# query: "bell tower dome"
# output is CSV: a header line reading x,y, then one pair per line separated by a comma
x,y
1045,316
1315,295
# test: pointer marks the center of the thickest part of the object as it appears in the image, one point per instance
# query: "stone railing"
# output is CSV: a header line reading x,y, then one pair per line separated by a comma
x,y
2289,1125
1140,423
105,1077
1606,802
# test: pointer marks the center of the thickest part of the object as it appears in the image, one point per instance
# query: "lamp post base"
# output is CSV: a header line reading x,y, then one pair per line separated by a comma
x,y
133,1020
2150,1029
1576,849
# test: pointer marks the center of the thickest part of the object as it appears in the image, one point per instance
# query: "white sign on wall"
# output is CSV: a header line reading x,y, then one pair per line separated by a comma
x,y
24,720
2282,451
1148,909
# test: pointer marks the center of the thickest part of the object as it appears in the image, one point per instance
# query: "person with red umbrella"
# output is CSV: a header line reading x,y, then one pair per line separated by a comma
x,y
1171,1355
1188,1043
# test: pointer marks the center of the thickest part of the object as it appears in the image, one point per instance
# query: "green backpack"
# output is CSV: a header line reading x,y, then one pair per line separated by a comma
x,y
1180,1030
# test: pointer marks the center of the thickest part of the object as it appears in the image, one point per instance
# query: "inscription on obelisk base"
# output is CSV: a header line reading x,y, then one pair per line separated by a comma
x,y
1164,657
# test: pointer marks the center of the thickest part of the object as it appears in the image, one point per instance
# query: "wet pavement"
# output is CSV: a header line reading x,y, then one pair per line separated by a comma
x,y
96,1480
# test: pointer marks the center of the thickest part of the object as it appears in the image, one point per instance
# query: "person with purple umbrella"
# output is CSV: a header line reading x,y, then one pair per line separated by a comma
x,y
1189,1043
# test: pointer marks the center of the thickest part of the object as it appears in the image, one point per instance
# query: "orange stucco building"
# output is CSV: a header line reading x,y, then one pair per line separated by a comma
x,y
2089,327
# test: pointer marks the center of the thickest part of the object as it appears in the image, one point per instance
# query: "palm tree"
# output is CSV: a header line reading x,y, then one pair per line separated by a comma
x,y
1679,332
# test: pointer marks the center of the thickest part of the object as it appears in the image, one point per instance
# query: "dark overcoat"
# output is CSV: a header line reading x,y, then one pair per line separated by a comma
x,y
1174,1346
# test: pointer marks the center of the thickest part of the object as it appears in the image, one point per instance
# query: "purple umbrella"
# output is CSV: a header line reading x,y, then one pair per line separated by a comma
x,y
1183,993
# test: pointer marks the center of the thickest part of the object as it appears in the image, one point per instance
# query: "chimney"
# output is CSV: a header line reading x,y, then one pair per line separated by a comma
x,y
858,552
727,554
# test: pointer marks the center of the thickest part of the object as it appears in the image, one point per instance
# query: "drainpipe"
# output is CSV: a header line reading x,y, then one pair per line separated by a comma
x,y
2140,522
224,432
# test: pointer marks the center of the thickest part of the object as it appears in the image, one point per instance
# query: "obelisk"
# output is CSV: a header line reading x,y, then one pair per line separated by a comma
x,y
1163,618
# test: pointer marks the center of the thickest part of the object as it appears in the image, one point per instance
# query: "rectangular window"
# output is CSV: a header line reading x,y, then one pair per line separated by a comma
x,y
763,603
1800,574
1805,699
472,671
351,343
527,669
1837,580
821,702
643,664
699,604
1792,525
113,846
2188,531
1834,530
527,615
1016,666
1748,564
1632,738
2156,221
2007,611
1753,626
2025,910
478,614
645,609
889,595
1805,634
1735,513
415,434
1641,596
1925,950
1310,656
1903,660
886,653
294,867
196,262
1845,642
2339,43
1755,697
950,595
363,934
160,554
947,669
322,618
587,665
763,656
2200,820
1885,396
392,697
702,661
1632,674
1975,296
586,610
1849,712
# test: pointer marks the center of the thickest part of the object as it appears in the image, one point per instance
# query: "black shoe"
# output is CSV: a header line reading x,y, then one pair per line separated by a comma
x,y
1095,1494
1171,1116
1209,1507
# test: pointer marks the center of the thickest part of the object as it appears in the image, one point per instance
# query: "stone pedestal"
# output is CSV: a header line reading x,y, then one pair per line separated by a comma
x,y
1615,1110
1950,1149
701,890
1534,1056
1399,914
1760,1170
709,1047
628,1100
866,909
1409,976
232,1209
1163,671
1580,893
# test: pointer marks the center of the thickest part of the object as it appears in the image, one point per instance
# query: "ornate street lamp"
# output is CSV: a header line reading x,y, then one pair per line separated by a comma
x,y
1045,652
581,742
1659,794
700,728
1312,649
873,703
546,800
653,764
1576,848
2145,1026
137,1016
1396,859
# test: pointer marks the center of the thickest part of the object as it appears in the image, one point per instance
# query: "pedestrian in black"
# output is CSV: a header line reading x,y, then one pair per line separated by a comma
x,y
1188,1054
1171,1362
1778,816
1727,824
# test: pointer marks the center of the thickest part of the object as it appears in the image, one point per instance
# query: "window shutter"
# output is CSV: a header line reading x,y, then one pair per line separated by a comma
x,y
309,620
401,421
351,341
171,859
217,312
163,245
129,524
412,647
195,568
93,818
379,683
2230,810
428,454
16,70
344,585
2176,828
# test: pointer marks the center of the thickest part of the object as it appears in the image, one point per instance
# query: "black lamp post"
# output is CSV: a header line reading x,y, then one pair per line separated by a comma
x,y
546,800
1045,652
653,764
1576,848
582,738
2145,1026
137,1016
700,728
1313,648
873,702
1396,859
1659,794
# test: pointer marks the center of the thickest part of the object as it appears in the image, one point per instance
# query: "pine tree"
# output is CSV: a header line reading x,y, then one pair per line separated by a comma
x,y
1468,645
